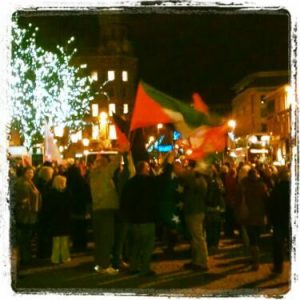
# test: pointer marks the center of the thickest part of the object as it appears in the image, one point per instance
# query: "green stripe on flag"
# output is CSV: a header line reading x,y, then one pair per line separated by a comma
x,y
191,116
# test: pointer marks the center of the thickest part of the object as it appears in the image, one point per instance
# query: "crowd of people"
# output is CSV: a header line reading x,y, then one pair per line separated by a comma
x,y
132,206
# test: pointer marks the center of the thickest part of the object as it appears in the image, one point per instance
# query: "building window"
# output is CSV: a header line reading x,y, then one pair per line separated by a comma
x,y
264,127
263,110
110,75
111,109
271,106
83,66
125,108
95,132
112,134
94,76
95,110
124,75
77,136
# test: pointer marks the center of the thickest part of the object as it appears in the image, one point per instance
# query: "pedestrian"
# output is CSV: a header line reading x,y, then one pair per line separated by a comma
x,y
215,208
139,206
79,188
43,183
230,185
195,190
26,206
105,203
121,246
253,193
170,203
279,213
60,218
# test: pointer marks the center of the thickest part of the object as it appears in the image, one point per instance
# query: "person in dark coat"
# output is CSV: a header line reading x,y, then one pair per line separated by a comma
x,y
121,247
170,203
254,192
215,208
230,183
43,183
79,188
279,214
139,208
60,218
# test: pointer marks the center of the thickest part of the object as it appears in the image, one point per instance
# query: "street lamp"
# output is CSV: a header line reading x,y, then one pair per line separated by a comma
x,y
289,96
103,118
103,121
230,137
231,124
85,142
74,138
151,139
188,151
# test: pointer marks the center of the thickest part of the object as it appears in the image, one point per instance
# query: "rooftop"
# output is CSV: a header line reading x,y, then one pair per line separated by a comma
x,y
262,79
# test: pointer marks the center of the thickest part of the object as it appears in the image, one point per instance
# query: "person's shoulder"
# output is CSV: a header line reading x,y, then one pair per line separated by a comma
x,y
132,180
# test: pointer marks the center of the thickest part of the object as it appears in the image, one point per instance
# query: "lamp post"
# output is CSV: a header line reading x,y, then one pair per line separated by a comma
x,y
231,124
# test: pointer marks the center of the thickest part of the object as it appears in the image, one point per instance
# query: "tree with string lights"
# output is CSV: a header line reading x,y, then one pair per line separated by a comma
x,y
45,87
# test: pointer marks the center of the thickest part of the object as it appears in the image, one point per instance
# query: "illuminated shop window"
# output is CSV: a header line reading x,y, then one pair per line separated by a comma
x,y
111,109
95,110
124,75
111,75
94,76
125,108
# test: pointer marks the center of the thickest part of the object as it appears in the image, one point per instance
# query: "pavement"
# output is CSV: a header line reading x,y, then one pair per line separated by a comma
x,y
229,274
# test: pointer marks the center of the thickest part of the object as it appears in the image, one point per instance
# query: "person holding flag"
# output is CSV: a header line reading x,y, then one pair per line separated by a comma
x,y
170,200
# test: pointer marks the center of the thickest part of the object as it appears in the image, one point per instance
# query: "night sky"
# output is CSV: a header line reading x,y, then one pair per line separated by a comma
x,y
181,51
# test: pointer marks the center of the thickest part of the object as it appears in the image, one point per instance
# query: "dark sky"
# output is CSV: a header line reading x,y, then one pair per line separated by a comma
x,y
182,51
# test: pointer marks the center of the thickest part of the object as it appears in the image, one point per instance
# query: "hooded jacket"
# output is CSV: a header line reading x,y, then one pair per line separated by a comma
x,y
103,189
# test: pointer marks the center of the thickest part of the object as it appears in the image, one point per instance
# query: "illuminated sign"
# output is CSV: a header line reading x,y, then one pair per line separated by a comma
x,y
256,151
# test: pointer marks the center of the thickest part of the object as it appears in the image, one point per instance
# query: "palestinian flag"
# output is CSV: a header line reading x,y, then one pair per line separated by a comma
x,y
207,140
122,129
153,107
199,104
130,141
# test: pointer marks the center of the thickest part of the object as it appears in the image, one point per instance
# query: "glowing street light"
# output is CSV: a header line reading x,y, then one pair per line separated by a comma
x,y
103,118
231,124
188,151
290,99
85,142
74,138
160,126
151,139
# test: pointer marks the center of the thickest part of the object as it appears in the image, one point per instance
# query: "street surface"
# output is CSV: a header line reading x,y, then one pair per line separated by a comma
x,y
229,274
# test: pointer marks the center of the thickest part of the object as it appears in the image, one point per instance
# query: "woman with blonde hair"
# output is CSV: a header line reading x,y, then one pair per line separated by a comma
x,y
60,220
